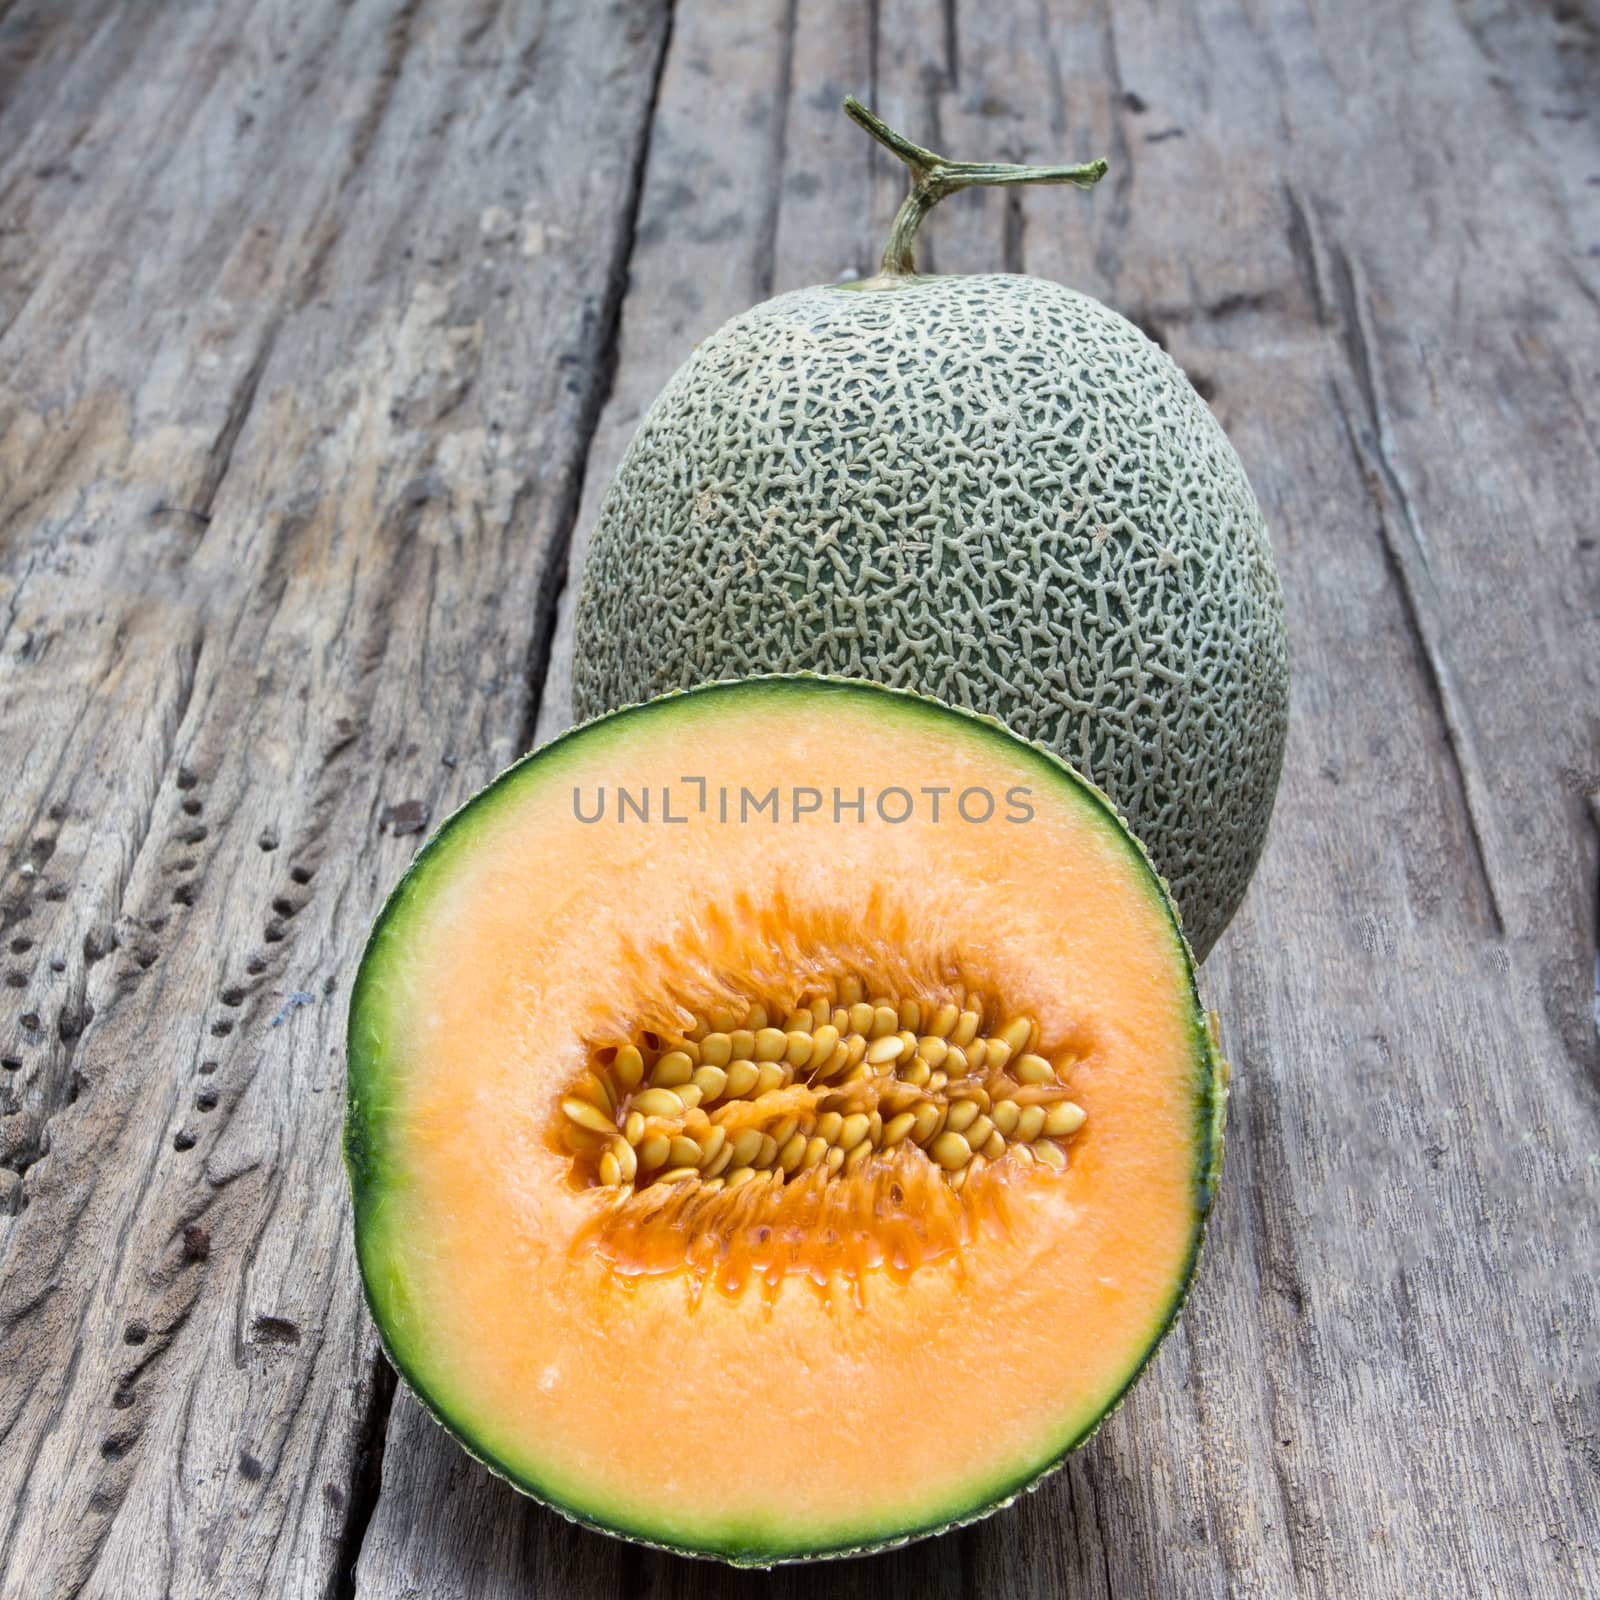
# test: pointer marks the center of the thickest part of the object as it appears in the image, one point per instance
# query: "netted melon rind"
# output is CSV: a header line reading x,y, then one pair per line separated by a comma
x,y
991,489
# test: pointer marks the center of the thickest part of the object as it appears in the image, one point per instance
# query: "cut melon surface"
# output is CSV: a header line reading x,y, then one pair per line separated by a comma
x,y
761,1174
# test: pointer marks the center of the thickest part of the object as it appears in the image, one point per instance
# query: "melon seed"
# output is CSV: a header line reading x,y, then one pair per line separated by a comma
x,y
672,1069
1063,1118
978,1132
798,1047
1051,1154
771,1043
745,1143
793,1152
996,1052
628,1068
1030,1123
627,1162
742,1041
951,1151
588,1087
741,1079
910,1015
943,1020
896,1128
1017,1034
835,1063
610,1172
682,1152
926,1120
885,1020
1005,1115
710,1081
587,1116
995,1147
884,1050
962,1115
756,1018
653,1152
770,1076
658,1103
853,1130
860,1017
816,1149
716,1050
1033,1069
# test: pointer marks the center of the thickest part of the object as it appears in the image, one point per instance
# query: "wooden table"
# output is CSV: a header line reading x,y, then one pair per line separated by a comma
x,y
324,326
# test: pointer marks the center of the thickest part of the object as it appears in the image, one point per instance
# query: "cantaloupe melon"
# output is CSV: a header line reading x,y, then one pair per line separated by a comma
x,y
780,1120
989,488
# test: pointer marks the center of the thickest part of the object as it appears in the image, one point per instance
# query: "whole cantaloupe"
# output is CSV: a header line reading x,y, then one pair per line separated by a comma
x,y
988,488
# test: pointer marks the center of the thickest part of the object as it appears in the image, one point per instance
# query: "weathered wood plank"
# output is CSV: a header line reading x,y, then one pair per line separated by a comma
x,y
281,508
297,391
1342,225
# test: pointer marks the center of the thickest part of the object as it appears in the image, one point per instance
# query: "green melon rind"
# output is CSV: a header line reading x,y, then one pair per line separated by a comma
x,y
991,489
364,1163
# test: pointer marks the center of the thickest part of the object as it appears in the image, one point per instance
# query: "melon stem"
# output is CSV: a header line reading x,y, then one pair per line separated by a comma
x,y
933,177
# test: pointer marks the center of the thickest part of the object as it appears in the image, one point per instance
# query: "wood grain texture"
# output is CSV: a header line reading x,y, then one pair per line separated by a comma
x,y
301,365
309,364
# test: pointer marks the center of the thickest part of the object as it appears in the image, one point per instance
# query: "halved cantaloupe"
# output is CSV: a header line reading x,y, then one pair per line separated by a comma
x,y
781,1119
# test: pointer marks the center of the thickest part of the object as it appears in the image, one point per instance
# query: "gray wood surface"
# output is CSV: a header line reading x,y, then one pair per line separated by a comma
x,y
321,330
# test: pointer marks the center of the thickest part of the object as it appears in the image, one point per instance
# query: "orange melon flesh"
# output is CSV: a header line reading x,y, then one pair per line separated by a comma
x,y
843,1404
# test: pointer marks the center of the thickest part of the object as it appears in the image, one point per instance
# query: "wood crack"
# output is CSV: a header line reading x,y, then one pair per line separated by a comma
x,y
240,404
367,1481
1303,247
767,249
1407,558
1107,254
602,368
396,44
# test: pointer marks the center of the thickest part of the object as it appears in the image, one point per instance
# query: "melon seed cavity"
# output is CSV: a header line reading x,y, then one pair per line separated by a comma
x,y
843,1130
